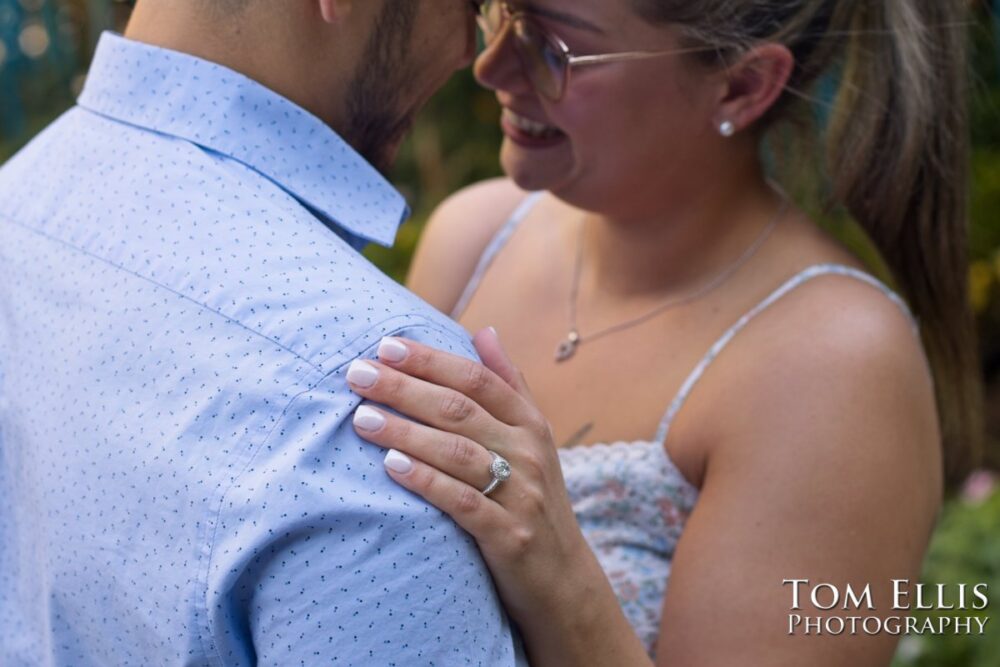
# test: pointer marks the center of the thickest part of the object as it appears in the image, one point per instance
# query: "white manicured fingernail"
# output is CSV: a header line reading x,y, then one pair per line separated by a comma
x,y
392,349
368,419
362,373
398,461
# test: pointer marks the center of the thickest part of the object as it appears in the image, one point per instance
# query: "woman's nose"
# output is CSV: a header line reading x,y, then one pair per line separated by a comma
x,y
499,66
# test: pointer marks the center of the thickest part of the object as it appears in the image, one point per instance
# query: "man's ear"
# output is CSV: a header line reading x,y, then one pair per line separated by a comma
x,y
753,84
334,11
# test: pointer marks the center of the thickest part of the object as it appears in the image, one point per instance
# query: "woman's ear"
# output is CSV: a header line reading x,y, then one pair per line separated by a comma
x,y
753,84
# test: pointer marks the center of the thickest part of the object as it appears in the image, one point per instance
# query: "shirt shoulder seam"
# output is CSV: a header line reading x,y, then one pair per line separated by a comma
x,y
151,281
317,366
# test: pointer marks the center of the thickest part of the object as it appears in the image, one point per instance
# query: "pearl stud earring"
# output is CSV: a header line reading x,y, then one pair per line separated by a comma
x,y
726,128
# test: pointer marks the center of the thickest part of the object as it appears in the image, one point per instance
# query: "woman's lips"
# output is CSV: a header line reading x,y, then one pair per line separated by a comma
x,y
527,132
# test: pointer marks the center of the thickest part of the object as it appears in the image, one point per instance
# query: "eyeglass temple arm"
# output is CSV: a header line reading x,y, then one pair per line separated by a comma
x,y
628,55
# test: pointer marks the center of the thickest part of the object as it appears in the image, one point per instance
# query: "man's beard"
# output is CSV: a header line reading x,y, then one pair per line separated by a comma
x,y
374,125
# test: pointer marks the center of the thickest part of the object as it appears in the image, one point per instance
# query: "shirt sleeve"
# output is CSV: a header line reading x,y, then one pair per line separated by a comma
x,y
319,558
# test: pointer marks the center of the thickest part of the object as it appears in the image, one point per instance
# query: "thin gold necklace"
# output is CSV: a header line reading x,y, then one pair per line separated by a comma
x,y
574,339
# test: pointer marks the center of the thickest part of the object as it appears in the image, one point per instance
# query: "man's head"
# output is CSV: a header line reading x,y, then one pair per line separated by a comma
x,y
365,67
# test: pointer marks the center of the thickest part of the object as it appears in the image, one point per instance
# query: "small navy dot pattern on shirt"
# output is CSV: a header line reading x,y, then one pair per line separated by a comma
x,y
180,483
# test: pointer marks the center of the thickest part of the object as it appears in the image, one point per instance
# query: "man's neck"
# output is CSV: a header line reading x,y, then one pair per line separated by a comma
x,y
237,41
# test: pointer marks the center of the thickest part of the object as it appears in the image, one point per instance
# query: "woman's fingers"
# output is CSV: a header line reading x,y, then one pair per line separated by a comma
x,y
452,454
479,515
437,406
465,376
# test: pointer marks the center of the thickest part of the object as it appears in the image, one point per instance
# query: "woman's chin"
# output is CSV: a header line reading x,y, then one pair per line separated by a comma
x,y
535,169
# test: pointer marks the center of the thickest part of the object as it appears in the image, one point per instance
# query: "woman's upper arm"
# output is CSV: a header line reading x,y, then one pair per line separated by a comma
x,y
827,469
455,236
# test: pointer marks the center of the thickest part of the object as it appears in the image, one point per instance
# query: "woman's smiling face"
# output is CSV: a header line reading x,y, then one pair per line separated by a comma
x,y
618,126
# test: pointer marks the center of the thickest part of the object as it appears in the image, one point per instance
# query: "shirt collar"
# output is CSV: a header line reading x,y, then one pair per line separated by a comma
x,y
224,111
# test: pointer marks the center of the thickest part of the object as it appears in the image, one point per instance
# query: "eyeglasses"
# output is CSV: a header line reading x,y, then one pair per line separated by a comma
x,y
546,59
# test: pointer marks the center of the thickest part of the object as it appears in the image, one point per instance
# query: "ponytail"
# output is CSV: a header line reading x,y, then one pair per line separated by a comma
x,y
898,152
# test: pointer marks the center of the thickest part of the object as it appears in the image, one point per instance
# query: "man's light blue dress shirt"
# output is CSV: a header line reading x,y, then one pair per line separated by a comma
x,y
180,483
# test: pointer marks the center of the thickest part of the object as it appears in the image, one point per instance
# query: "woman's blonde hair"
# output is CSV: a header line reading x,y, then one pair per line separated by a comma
x,y
896,153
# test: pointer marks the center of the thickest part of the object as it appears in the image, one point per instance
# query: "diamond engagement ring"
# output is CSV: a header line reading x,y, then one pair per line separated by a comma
x,y
499,470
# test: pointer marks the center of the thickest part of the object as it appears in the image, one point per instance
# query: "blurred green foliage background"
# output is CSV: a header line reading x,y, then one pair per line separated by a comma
x,y
45,46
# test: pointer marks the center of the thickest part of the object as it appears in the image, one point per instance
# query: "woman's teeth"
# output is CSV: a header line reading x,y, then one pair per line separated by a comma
x,y
529,126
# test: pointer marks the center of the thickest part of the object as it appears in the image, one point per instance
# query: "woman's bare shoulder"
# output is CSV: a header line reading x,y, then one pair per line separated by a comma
x,y
455,236
830,346
822,443
842,356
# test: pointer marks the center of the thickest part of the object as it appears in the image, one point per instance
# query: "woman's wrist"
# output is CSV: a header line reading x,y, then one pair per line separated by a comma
x,y
580,621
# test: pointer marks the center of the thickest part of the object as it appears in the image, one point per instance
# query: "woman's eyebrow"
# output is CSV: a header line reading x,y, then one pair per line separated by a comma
x,y
568,19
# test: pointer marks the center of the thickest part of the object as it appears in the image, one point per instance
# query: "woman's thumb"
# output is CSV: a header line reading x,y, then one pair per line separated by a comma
x,y
494,357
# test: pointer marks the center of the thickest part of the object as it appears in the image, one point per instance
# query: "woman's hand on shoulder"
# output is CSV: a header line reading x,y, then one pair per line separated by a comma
x,y
824,465
455,236
453,413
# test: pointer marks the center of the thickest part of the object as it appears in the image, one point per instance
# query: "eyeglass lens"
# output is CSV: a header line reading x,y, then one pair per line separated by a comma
x,y
543,61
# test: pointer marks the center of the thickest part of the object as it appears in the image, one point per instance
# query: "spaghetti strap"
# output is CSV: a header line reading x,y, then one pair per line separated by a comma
x,y
793,282
492,248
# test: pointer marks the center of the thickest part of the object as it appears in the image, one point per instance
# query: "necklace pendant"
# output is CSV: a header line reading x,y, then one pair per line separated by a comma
x,y
567,348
